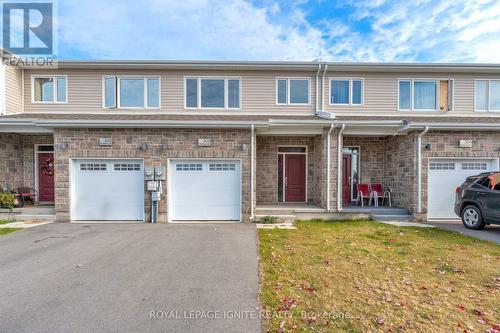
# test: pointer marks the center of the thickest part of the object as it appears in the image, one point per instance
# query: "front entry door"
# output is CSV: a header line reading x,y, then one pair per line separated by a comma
x,y
46,177
346,178
295,178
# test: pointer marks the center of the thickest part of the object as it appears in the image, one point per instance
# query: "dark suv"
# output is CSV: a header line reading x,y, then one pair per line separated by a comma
x,y
477,201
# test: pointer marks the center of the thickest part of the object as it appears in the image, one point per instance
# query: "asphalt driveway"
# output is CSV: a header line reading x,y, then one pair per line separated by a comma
x,y
66,277
490,232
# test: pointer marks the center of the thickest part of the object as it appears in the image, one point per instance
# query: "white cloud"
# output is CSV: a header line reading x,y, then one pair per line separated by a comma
x,y
419,30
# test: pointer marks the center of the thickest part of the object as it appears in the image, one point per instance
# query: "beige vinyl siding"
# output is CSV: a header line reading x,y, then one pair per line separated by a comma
x,y
381,93
258,92
13,90
380,96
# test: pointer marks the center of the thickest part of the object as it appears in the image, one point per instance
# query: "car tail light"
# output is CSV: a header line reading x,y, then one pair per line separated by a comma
x,y
458,189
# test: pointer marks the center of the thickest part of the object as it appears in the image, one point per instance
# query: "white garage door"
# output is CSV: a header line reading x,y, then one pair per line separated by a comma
x,y
205,190
107,190
444,177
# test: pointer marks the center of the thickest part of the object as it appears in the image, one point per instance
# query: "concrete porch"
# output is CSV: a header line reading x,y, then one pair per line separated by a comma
x,y
35,214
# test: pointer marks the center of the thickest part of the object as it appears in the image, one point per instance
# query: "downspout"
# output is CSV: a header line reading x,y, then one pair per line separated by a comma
x,y
339,167
252,157
328,163
323,88
317,90
419,169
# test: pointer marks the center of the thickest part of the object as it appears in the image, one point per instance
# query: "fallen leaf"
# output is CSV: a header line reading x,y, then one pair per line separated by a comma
x,y
478,312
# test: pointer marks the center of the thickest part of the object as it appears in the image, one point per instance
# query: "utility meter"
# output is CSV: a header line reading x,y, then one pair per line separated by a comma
x,y
160,173
149,174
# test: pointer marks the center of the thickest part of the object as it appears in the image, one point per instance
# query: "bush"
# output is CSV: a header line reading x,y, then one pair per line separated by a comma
x,y
269,220
7,200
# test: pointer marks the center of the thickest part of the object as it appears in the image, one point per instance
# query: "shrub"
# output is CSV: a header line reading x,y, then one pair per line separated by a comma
x,y
7,200
269,220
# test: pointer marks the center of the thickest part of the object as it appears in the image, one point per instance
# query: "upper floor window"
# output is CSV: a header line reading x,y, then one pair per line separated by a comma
x,y
131,92
50,89
425,95
292,91
487,95
346,91
212,92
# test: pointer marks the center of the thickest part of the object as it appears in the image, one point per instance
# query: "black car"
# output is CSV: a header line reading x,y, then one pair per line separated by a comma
x,y
477,200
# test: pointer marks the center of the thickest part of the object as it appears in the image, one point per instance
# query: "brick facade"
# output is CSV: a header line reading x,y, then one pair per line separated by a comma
x,y
181,143
17,159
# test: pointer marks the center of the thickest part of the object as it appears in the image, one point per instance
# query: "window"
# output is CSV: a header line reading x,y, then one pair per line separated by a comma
x,y
45,148
346,91
50,89
292,91
425,95
213,93
188,167
131,92
222,167
291,149
487,95
127,167
441,166
93,167
474,166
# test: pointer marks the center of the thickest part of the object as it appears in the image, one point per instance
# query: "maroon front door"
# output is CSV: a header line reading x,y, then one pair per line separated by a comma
x,y
295,178
346,179
46,176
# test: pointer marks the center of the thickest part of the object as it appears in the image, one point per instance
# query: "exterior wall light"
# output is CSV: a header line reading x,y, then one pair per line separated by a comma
x,y
428,146
63,145
143,146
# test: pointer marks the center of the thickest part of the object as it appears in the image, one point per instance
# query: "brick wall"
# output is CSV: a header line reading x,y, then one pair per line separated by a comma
x,y
182,143
11,161
267,166
446,144
17,158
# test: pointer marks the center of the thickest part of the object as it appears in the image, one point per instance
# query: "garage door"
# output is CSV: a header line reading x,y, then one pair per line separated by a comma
x,y
108,190
204,190
444,177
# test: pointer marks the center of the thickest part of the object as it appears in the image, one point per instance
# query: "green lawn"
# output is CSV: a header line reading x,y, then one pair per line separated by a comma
x,y
5,231
5,222
331,276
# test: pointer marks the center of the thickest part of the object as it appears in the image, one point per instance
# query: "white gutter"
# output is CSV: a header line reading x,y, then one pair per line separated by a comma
x,y
317,90
252,170
328,163
419,169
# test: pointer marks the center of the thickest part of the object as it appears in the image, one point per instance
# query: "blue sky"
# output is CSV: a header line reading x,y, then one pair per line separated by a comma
x,y
350,30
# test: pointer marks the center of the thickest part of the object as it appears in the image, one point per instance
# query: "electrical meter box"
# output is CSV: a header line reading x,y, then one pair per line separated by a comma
x,y
149,174
155,196
160,173
151,185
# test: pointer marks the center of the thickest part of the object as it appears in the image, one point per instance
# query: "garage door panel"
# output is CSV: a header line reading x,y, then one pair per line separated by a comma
x,y
445,175
205,190
108,190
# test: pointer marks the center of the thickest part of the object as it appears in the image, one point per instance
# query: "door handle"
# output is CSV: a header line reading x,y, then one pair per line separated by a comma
x,y
286,183
482,193
349,181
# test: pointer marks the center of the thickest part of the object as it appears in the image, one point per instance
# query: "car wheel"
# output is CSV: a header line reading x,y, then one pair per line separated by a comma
x,y
472,218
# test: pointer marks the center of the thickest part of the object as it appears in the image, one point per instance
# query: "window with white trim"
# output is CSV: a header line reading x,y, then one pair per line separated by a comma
x,y
425,94
290,91
50,89
487,95
212,92
93,167
346,91
474,166
222,167
131,92
189,167
127,167
441,166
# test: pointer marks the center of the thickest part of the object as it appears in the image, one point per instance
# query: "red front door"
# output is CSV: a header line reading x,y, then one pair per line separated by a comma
x,y
46,176
346,179
295,178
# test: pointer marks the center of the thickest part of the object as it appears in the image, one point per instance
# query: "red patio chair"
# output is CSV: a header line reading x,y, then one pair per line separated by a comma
x,y
363,193
27,194
378,192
